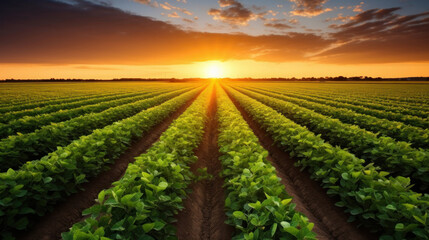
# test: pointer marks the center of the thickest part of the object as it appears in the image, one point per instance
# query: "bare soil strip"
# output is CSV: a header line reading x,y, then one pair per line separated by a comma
x,y
204,215
69,212
330,221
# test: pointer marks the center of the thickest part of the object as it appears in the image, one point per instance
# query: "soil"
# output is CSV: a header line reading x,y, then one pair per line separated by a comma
x,y
203,216
330,221
66,213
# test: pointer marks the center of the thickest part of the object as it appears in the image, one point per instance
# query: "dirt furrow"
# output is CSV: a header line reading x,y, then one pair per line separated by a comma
x,y
310,198
67,213
204,216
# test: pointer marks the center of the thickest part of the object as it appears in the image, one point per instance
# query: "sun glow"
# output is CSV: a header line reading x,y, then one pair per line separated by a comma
x,y
214,69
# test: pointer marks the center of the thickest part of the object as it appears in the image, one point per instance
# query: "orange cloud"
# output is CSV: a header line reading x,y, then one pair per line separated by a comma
x,y
309,8
168,6
232,12
148,2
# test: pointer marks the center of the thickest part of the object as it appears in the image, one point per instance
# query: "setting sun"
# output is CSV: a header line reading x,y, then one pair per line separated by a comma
x,y
214,70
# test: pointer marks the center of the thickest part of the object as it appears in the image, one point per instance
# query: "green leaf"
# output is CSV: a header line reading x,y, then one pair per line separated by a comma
x,y
239,215
101,196
162,186
148,226
273,229
391,207
356,211
47,180
286,201
399,226
118,226
292,230
421,220
256,205
285,224
158,225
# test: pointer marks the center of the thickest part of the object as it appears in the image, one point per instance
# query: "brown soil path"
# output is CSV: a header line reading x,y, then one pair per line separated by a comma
x,y
310,198
204,216
69,212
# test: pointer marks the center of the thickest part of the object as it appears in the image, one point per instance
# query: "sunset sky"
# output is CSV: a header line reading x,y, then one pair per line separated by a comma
x,y
207,38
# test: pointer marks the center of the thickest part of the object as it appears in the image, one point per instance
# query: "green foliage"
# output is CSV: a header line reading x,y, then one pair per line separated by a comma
x,y
418,137
30,123
421,122
144,202
396,157
15,115
39,105
362,101
378,201
18,149
39,185
257,203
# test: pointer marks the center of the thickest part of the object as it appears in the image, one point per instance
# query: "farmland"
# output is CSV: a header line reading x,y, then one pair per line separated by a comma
x,y
214,160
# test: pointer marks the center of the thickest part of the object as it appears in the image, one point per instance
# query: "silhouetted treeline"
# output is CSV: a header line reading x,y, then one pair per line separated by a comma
x,y
339,78
100,80
321,79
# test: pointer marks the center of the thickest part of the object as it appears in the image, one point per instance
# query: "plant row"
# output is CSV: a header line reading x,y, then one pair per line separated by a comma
x,y
407,119
18,149
144,202
364,97
418,137
10,116
257,203
359,101
29,124
33,190
19,106
398,158
383,204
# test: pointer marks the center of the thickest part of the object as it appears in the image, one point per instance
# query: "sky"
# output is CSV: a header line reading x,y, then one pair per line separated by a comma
x,y
207,38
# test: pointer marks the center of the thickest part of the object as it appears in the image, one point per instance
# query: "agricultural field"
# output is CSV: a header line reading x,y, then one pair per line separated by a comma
x,y
216,159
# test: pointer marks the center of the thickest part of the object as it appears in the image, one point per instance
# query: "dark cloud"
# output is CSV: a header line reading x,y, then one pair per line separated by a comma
x,y
52,32
309,8
380,36
277,25
232,12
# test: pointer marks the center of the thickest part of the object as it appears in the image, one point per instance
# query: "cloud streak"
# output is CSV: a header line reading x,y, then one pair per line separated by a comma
x,y
232,12
309,8
380,36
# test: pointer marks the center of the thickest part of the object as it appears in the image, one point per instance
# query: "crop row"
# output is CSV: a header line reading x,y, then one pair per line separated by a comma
x,y
34,189
407,119
10,116
362,96
144,202
43,104
29,124
19,106
357,101
396,157
367,194
18,149
257,203
418,137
